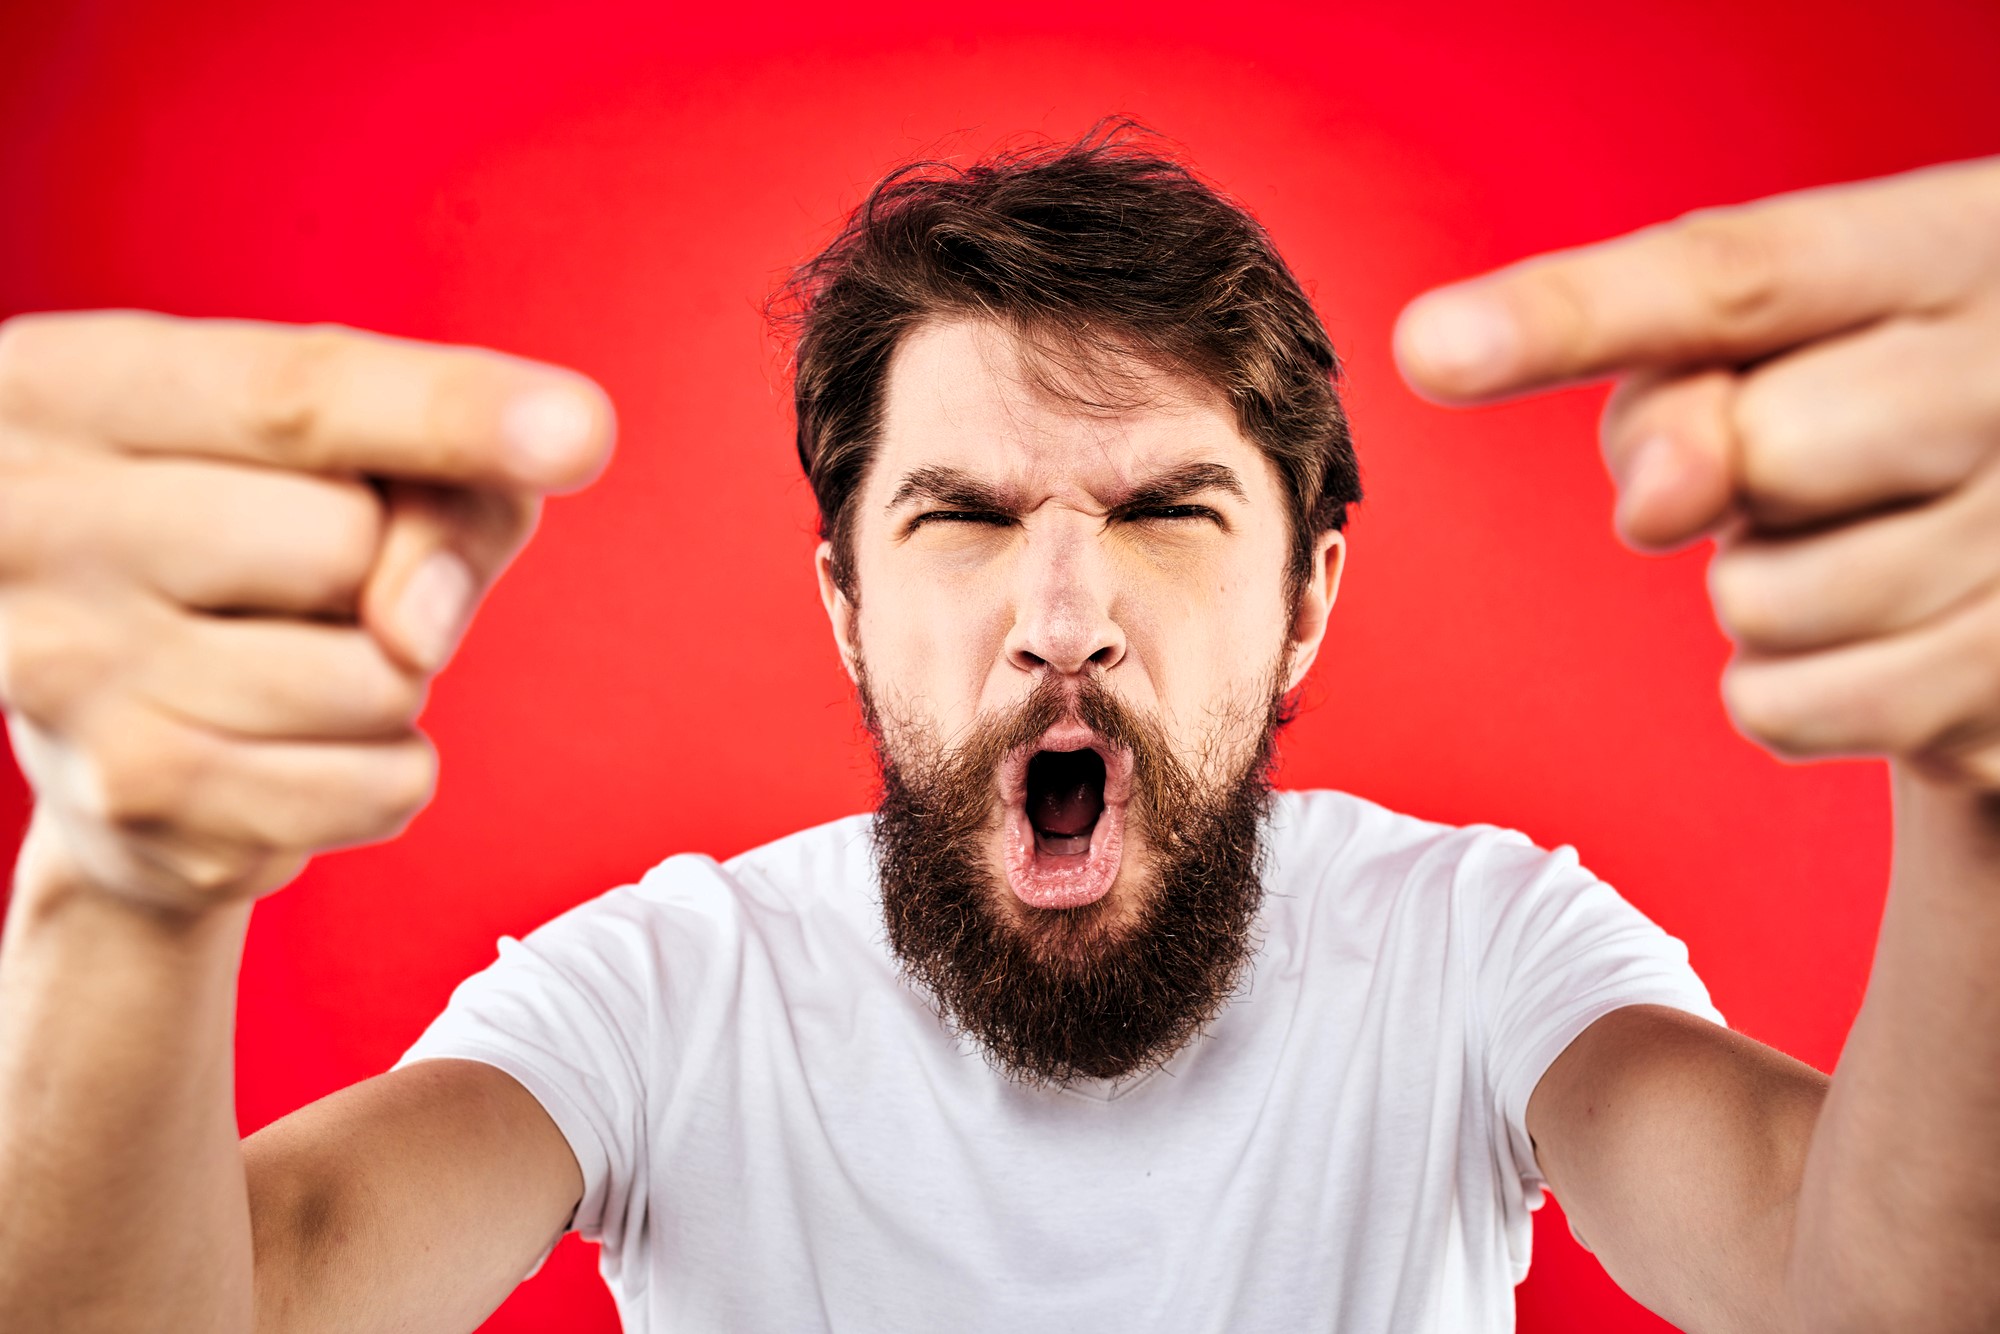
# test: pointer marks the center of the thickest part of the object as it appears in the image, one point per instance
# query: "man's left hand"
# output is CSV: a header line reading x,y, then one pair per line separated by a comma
x,y
1813,380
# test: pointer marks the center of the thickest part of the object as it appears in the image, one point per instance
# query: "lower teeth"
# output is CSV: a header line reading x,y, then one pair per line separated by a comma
x,y
1062,845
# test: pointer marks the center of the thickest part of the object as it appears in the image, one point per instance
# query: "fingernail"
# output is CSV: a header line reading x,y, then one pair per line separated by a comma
x,y
1463,335
547,431
434,606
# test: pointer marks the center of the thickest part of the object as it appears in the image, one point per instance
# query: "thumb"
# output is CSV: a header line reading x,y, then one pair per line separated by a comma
x,y
442,547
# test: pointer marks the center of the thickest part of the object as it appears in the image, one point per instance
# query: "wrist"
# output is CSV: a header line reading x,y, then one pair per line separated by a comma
x,y
1947,852
51,885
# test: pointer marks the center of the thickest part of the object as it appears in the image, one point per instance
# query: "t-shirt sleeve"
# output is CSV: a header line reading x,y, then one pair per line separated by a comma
x,y
567,1011
1558,950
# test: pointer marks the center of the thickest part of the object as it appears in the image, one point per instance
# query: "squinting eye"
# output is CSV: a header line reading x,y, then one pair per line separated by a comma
x,y
1177,512
960,516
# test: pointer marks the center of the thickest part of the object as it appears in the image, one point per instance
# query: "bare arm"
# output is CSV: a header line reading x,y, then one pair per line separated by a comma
x,y
1899,1211
1726,1187
215,637
1677,1148
415,1201
1811,381
126,1207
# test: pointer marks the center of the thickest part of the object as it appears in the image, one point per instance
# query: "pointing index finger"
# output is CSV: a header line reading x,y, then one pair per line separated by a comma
x,y
1718,287
316,399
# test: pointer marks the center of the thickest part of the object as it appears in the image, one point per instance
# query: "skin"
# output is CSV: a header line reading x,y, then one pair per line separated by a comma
x,y
1807,358
154,472
1808,380
1038,553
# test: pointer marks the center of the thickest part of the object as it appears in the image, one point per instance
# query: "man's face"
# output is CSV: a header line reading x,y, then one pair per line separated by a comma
x,y
1073,630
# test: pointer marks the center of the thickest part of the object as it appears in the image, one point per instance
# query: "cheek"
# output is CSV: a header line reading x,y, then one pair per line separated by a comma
x,y
929,639
1206,623
1211,639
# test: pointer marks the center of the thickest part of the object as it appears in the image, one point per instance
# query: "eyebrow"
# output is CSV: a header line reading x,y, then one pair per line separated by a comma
x,y
1177,484
956,487
948,486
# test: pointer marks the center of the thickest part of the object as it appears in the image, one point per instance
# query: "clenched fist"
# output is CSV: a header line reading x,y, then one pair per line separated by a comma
x,y
231,557
1815,381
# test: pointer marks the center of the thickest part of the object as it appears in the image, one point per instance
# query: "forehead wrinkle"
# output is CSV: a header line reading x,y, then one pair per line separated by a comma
x,y
1027,444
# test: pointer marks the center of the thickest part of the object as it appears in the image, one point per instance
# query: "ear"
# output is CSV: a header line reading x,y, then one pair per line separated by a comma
x,y
1316,604
839,611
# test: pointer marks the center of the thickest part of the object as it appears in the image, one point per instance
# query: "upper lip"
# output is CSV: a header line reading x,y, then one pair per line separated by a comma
x,y
1066,736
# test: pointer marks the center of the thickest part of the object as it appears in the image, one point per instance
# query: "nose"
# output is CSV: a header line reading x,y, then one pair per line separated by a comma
x,y
1063,617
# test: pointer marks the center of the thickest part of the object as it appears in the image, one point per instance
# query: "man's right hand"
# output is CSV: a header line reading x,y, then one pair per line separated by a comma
x,y
231,557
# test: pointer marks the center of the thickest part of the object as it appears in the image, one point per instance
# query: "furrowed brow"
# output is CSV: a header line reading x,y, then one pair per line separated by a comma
x,y
1178,484
949,486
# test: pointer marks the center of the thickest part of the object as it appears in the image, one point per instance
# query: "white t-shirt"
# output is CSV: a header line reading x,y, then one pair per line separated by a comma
x,y
777,1134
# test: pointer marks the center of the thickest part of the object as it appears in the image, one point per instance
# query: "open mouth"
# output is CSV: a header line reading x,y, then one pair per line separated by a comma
x,y
1063,834
1065,797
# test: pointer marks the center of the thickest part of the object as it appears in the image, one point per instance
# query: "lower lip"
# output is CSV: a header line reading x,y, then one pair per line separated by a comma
x,y
1053,880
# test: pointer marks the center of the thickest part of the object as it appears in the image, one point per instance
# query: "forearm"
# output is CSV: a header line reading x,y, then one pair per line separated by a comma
x,y
119,1160
1899,1211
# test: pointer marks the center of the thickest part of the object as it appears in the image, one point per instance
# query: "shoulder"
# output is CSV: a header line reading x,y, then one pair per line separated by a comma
x,y
1363,872
1324,837
828,863
693,903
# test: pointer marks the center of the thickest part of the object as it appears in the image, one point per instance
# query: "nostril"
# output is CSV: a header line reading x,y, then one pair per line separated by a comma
x,y
1063,641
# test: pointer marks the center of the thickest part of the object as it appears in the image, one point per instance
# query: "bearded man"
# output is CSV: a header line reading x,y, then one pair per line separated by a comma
x,y
1085,1027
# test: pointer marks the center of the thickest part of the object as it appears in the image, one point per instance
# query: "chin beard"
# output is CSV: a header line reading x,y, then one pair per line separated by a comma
x,y
1113,987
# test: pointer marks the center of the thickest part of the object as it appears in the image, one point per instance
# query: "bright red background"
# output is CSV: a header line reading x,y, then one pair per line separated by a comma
x,y
615,186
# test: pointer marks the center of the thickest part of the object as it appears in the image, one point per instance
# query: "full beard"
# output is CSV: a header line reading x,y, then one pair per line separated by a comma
x,y
1109,988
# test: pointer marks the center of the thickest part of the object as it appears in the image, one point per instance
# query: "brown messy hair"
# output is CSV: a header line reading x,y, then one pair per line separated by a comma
x,y
1090,252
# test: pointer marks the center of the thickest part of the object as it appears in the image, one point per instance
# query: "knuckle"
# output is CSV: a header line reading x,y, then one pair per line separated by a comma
x,y
1777,441
384,698
1737,590
285,387
353,519
1758,709
408,779
1564,312
139,774
458,406
49,656
1734,261
1963,678
335,541
1792,709
23,529
1965,201
403,699
320,581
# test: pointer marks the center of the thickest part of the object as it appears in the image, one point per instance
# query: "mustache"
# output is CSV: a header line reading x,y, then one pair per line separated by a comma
x,y
995,735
